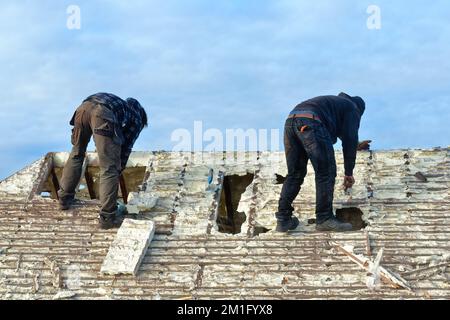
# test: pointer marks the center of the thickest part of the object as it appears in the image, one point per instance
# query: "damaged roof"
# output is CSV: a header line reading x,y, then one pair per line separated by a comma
x,y
214,217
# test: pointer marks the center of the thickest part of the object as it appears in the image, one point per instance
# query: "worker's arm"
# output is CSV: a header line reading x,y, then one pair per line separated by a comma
x,y
125,154
130,137
350,141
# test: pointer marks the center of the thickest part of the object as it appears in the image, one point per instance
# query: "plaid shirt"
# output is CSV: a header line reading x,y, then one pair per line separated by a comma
x,y
128,117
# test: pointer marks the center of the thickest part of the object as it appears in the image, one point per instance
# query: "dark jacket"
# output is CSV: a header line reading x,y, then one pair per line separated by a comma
x,y
341,116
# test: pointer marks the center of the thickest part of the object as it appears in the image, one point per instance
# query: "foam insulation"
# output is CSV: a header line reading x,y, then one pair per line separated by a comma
x,y
128,248
137,159
140,202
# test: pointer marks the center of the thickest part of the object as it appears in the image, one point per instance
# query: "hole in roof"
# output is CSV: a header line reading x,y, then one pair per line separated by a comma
x,y
229,220
90,183
352,215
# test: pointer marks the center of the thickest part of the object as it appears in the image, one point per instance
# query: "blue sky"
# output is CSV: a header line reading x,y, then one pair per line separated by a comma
x,y
230,63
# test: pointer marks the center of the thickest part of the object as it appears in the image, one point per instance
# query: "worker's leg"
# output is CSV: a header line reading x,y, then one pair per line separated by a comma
x,y
319,147
81,134
332,174
109,158
297,160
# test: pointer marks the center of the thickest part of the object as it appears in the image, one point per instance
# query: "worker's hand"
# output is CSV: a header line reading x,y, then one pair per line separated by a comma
x,y
349,181
364,145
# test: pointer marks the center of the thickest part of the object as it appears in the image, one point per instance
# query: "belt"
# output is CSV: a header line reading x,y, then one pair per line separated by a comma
x,y
304,115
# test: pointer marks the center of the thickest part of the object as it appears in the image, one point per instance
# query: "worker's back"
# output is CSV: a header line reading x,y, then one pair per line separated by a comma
x,y
340,115
112,102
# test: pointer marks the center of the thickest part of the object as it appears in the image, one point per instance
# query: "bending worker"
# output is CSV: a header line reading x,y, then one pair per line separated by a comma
x,y
115,125
310,132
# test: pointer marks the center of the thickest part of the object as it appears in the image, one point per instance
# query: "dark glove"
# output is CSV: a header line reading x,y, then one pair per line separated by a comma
x,y
364,145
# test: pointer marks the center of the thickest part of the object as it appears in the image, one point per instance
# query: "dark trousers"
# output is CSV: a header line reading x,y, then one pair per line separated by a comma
x,y
94,120
315,144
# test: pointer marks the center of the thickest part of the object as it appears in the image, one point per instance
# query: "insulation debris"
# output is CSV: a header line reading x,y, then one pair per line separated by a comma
x,y
65,294
19,261
129,247
55,270
140,202
373,280
36,283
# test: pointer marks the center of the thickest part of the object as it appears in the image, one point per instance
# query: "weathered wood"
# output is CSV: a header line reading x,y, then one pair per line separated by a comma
x,y
437,266
44,172
55,183
229,202
90,184
123,189
83,172
394,280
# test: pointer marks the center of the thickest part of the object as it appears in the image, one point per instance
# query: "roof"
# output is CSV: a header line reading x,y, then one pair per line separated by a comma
x,y
46,253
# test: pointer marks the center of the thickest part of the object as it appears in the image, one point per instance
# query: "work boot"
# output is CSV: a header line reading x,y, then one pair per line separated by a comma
x,y
284,225
65,202
110,220
333,224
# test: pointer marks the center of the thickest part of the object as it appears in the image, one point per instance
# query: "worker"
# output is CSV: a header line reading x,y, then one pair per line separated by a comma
x,y
115,125
310,132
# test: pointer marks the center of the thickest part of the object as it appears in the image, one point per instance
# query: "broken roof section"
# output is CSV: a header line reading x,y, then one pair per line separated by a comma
x,y
214,243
